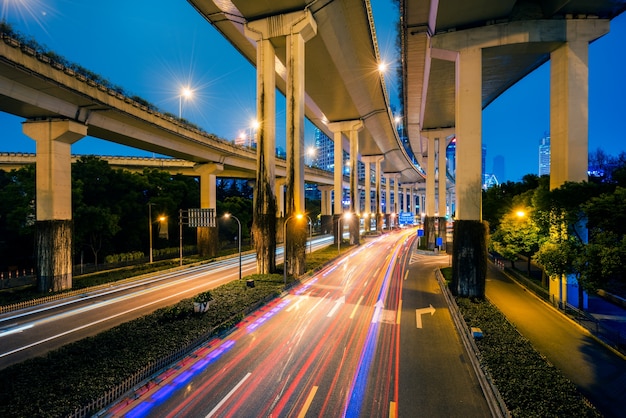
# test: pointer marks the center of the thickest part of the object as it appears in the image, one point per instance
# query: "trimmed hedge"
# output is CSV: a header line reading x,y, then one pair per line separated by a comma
x,y
530,386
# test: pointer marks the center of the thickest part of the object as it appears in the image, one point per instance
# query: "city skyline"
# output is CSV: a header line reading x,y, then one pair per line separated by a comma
x,y
165,52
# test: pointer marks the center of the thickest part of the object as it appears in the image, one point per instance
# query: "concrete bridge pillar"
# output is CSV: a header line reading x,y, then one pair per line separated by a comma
x,y
569,102
394,208
264,217
297,27
352,127
54,199
325,209
207,237
372,204
376,207
367,208
569,117
280,196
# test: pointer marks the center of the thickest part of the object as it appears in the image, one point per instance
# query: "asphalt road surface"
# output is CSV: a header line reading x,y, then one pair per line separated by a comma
x,y
360,338
34,331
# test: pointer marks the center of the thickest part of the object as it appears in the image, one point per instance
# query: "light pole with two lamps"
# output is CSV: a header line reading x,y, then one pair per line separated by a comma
x,y
297,216
228,216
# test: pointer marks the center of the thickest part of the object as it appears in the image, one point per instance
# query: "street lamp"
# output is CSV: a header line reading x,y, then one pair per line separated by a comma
x,y
228,216
297,216
310,233
150,227
186,92
347,216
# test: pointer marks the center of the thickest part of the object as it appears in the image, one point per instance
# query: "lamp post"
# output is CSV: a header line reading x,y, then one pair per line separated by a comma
x,y
310,233
228,216
150,227
186,92
297,216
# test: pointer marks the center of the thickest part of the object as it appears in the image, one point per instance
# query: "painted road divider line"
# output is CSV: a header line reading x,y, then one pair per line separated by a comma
x,y
308,402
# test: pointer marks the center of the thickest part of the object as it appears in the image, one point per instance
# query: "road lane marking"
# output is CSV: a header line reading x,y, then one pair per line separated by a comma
x,y
393,410
379,308
356,307
228,395
308,402
406,275
338,303
399,312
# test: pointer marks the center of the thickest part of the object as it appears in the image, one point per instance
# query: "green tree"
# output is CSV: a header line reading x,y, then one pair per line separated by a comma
x,y
17,217
517,234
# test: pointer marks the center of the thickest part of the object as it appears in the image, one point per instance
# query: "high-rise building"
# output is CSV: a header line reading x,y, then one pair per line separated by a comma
x,y
544,156
324,151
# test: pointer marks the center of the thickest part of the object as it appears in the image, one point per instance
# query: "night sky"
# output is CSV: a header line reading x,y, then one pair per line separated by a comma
x,y
154,48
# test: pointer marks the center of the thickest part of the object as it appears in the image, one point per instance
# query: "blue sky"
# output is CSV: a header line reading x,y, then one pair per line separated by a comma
x,y
154,48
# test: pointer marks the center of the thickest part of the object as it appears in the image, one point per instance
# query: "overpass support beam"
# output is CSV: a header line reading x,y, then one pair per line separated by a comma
x,y
207,237
569,103
326,210
377,204
469,260
264,217
367,209
352,127
54,200
569,119
297,27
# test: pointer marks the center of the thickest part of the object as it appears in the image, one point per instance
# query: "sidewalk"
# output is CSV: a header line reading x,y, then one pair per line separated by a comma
x,y
583,357
603,319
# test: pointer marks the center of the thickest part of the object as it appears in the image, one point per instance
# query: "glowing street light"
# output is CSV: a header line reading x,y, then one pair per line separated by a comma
x,y
187,93
297,216
150,222
520,213
228,216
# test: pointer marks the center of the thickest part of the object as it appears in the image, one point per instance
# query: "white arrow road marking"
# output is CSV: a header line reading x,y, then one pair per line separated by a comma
x,y
338,303
419,312
379,307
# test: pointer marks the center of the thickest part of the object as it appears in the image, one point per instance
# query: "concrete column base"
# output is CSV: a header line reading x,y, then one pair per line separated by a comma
x,y
54,255
469,259
355,230
429,232
442,231
208,241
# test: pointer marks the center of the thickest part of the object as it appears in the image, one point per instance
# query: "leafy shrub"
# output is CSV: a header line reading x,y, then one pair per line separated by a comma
x,y
530,386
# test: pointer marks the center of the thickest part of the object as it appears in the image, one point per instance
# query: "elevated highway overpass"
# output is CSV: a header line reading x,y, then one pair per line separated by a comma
x,y
457,58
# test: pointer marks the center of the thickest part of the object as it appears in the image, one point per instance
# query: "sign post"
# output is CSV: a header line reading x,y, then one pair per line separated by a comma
x,y
194,218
